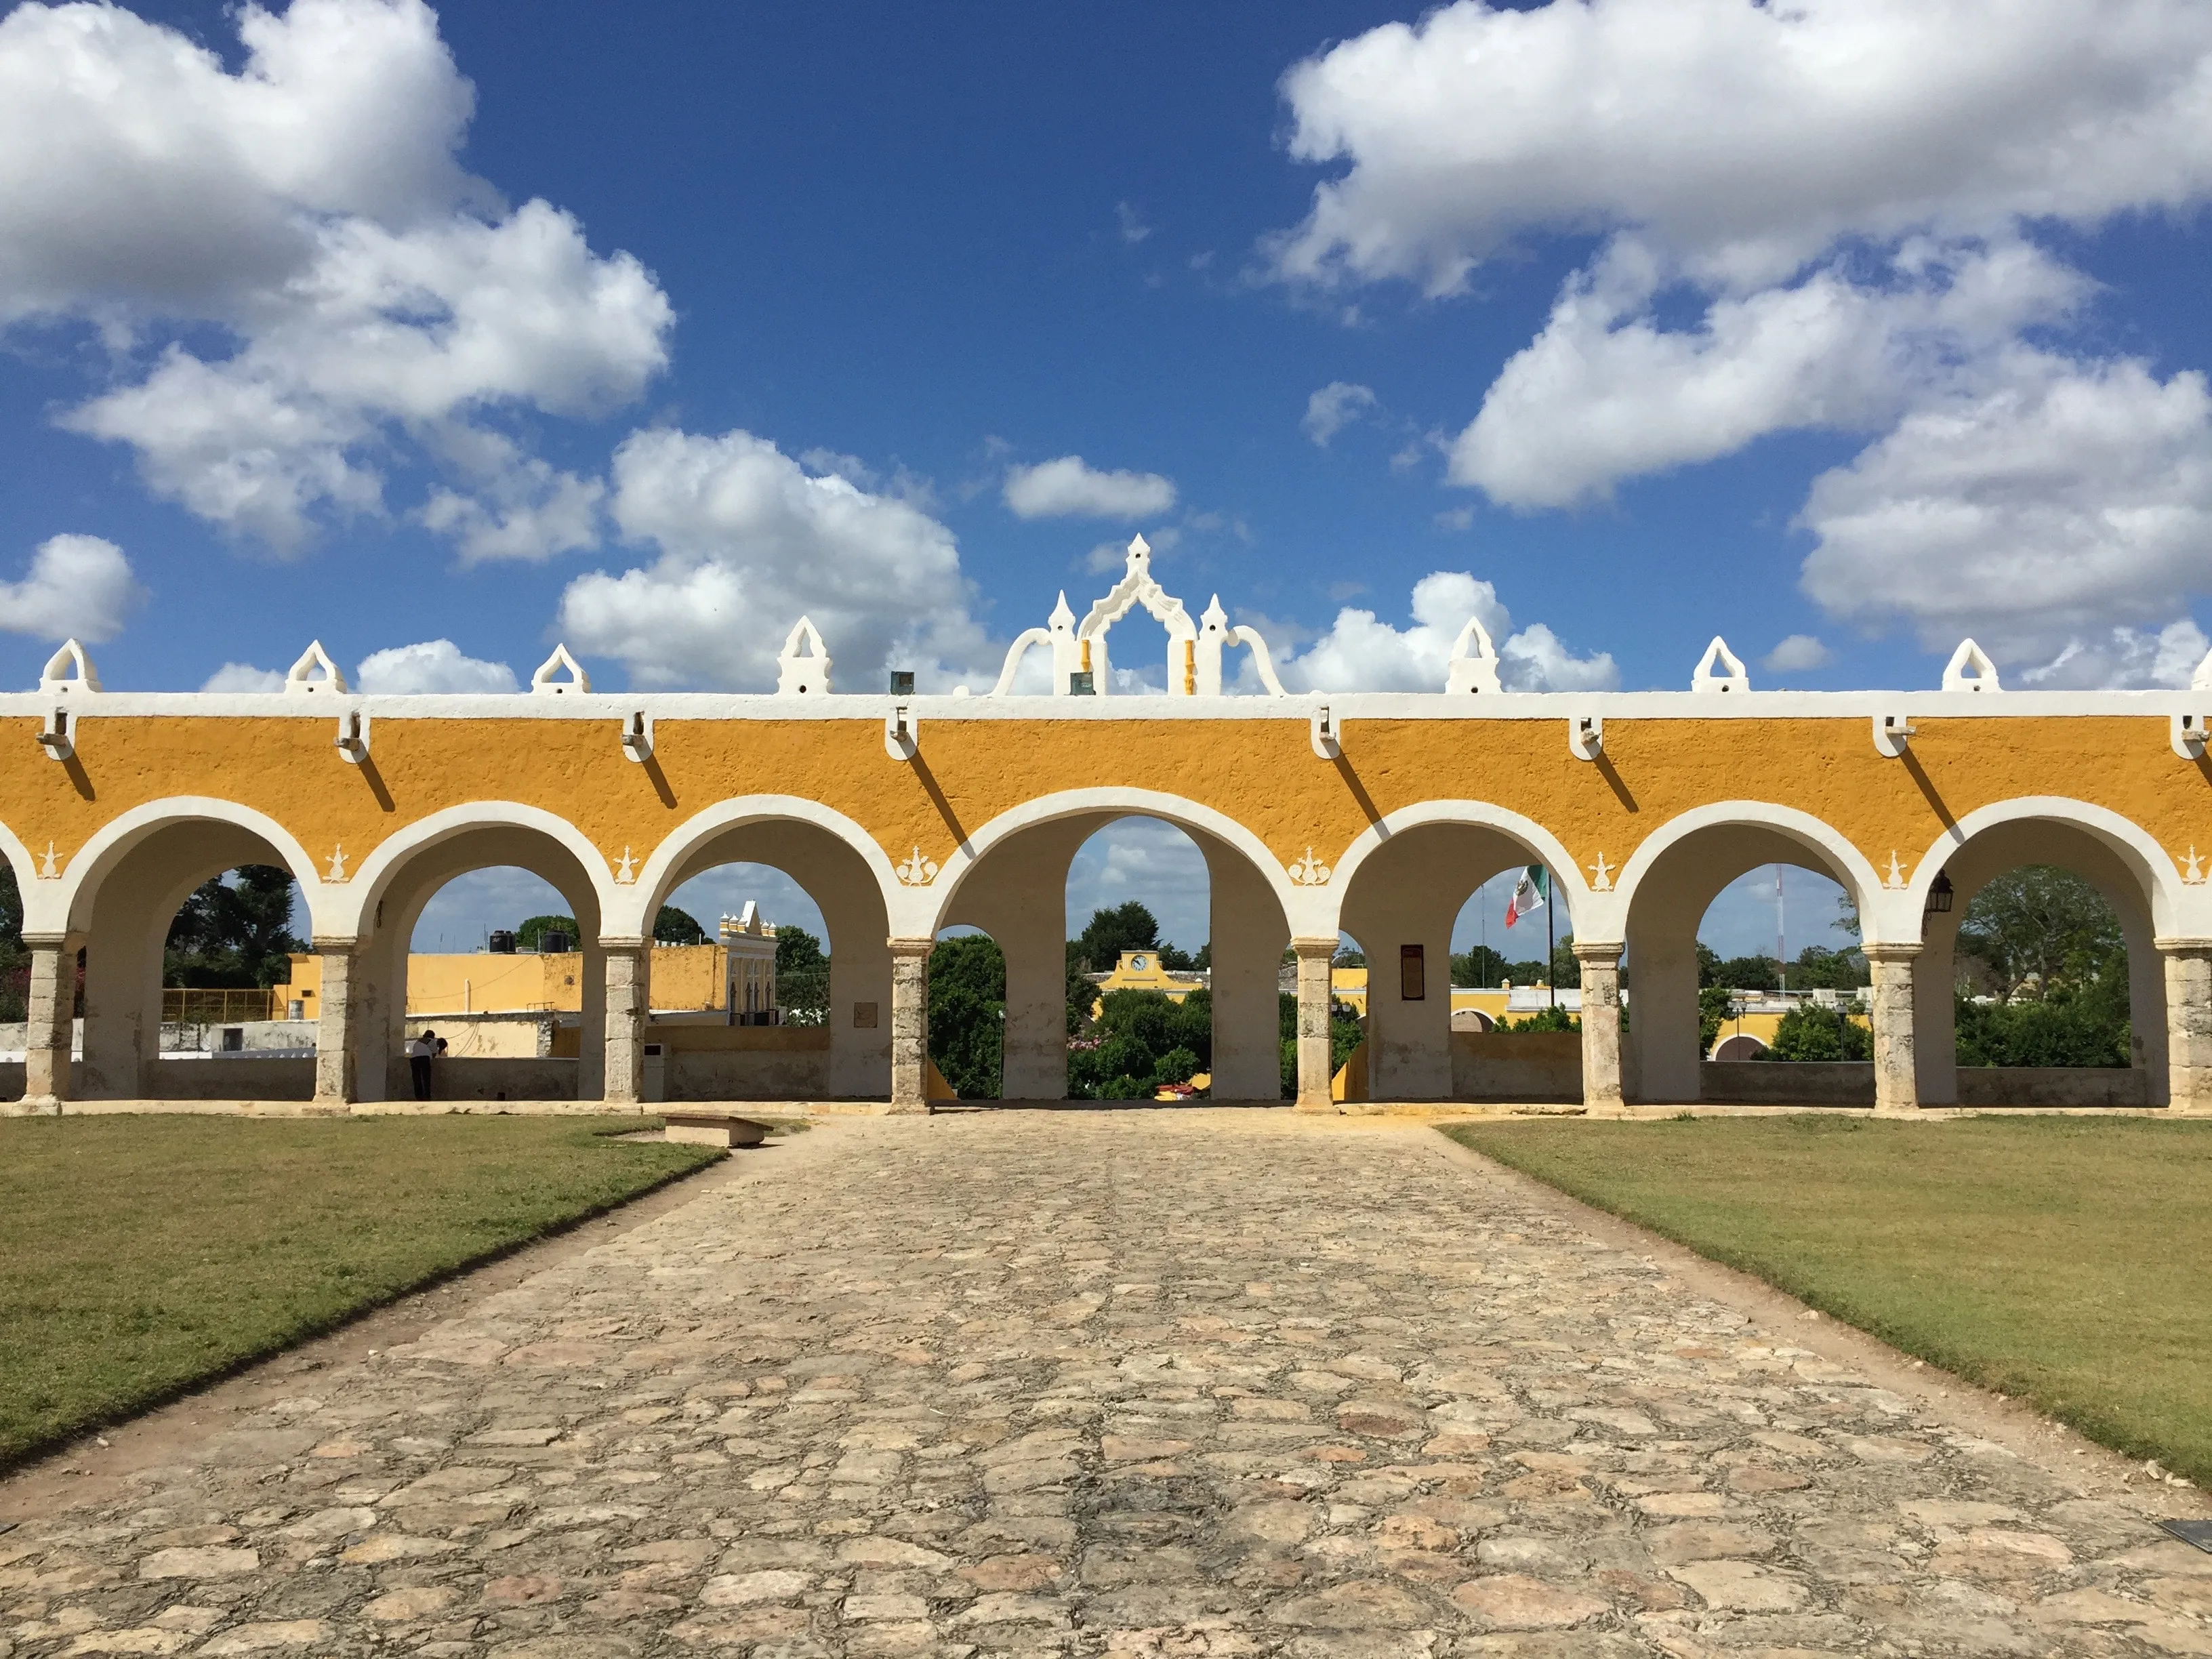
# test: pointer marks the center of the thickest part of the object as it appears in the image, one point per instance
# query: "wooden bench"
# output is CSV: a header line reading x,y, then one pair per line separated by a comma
x,y
712,1129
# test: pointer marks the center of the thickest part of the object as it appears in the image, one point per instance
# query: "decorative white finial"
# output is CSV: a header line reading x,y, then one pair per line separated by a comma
x,y
48,869
2194,874
314,673
1720,670
544,683
1309,871
1970,670
1895,879
1140,550
917,870
1603,883
626,871
1473,666
69,670
336,872
803,672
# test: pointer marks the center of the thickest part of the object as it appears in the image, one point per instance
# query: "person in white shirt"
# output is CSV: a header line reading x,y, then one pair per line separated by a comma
x,y
419,1053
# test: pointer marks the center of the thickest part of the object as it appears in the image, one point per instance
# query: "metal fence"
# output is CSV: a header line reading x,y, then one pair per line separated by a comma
x,y
191,1005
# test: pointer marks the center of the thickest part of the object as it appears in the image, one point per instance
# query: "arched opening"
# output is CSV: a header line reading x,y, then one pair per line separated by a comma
x,y
1736,964
1426,910
967,979
1142,952
486,939
2038,982
790,1000
228,989
177,882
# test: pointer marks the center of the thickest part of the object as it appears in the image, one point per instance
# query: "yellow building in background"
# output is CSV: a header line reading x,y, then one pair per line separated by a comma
x,y
686,978
1140,971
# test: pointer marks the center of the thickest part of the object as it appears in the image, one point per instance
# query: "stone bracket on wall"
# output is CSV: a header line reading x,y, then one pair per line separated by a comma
x,y
637,737
1891,733
1328,741
2185,733
901,734
353,736
1585,736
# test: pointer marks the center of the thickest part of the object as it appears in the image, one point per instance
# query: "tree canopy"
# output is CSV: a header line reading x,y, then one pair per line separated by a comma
x,y
967,1014
235,932
2043,931
675,927
527,936
802,977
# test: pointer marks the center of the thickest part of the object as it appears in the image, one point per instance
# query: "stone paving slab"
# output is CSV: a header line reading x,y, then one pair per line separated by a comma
x,y
1147,1385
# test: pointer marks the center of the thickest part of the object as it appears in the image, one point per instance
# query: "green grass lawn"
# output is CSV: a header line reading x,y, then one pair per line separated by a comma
x,y
2065,1261
141,1255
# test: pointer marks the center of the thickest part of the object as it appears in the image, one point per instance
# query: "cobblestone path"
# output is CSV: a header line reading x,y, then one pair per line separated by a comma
x,y
1129,1384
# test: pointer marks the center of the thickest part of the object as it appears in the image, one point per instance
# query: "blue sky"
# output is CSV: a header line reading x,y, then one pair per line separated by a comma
x,y
1841,330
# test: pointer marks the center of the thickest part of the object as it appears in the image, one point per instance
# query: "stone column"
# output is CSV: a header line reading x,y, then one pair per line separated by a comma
x,y
2188,1024
910,1024
1601,976
338,1023
49,1078
1314,1073
1896,1074
627,988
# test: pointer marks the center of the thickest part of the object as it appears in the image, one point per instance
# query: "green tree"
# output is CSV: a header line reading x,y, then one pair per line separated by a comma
x,y
1141,1040
1715,1007
1127,927
675,927
234,932
1566,968
1553,1018
967,1014
527,936
2043,931
1809,1032
1346,1033
14,956
2084,1028
802,977
1747,973
1818,969
1483,966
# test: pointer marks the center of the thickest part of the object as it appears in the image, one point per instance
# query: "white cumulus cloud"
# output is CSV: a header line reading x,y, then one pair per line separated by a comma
x,y
1800,653
244,677
1362,653
431,665
78,587
745,542
2039,517
1851,201
1605,393
1745,138
1066,488
1333,408
348,292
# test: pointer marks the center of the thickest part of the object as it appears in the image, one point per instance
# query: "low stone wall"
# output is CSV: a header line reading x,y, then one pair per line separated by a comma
x,y
1516,1066
2053,1085
744,1062
231,1077
1788,1081
512,1077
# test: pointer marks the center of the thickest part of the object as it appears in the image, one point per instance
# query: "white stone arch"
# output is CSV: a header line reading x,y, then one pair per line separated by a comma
x,y
630,915
2136,877
353,903
1832,852
2176,909
25,867
1663,892
1253,912
66,906
1589,908
1401,887
1298,903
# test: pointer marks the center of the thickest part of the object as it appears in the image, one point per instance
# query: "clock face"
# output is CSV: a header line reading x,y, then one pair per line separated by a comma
x,y
1137,963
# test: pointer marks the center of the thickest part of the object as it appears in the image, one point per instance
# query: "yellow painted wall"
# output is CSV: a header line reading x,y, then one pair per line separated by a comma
x,y
483,982
1262,772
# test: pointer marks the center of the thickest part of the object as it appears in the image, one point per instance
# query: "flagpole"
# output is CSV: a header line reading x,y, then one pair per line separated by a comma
x,y
1551,943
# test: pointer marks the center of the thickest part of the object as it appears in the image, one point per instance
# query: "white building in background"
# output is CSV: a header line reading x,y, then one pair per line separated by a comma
x,y
750,943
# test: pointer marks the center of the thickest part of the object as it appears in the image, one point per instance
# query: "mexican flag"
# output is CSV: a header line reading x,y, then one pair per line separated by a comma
x,y
1528,893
